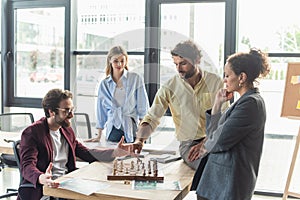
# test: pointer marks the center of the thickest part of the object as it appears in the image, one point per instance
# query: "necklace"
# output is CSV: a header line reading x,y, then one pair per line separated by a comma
x,y
120,85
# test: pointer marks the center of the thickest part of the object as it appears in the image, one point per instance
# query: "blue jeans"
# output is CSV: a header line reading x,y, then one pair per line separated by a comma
x,y
116,134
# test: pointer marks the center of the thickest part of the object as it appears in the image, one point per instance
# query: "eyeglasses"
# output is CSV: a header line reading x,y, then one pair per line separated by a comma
x,y
67,111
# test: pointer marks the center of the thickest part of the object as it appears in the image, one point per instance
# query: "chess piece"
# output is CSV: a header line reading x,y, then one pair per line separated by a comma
x,y
155,171
149,167
132,165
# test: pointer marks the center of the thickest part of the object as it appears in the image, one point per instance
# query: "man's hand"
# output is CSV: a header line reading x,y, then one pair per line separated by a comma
x,y
123,149
197,151
143,132
46,178
138,145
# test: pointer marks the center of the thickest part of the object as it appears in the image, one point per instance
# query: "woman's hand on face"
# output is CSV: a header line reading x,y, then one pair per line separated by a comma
x,y
223,95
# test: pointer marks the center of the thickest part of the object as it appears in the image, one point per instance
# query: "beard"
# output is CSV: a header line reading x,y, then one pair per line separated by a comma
x,y
188,74
62,122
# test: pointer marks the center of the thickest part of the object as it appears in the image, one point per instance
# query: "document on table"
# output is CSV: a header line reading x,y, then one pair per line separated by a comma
x,y
154,185
166,158
83,186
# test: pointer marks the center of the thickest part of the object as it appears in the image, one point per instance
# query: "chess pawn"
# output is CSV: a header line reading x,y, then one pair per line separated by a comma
x,y
143,165
114,171
121,166
132,165
155,172
154,162
115,164
155,165
149,167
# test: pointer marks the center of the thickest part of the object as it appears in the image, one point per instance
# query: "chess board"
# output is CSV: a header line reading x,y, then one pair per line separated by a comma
x,y
135,170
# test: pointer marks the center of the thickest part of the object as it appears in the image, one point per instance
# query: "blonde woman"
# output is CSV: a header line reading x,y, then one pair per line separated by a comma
x,y
122,99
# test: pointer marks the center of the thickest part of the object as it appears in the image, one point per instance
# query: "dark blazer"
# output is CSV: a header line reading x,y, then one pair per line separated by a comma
x,y
36,152
234,142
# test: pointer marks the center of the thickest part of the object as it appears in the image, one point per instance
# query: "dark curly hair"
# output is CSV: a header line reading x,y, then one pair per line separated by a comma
x,y
53,98
254,64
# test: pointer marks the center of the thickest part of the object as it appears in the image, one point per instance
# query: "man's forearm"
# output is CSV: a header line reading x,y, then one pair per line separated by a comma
x,y
144,131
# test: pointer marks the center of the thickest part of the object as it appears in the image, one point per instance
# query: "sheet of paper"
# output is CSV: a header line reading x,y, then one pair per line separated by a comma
x,y
83,186
166,158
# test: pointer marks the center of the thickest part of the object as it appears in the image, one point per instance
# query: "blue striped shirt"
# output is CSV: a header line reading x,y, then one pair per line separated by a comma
x,y
135,106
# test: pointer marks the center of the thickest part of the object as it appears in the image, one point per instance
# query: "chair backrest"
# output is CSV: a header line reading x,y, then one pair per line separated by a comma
x,y
25,191
16,148
81,125
15,122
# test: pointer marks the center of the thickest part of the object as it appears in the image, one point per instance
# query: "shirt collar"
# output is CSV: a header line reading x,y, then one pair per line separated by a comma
x,y
125,75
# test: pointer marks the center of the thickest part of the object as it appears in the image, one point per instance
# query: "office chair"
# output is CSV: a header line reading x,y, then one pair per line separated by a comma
x,y
20,191
81,125
12,122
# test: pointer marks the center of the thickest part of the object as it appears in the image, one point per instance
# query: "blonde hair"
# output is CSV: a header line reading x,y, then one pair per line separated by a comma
x,y
116,50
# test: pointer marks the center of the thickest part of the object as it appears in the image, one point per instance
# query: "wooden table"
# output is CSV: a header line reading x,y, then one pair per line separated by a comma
x,y
6,147
98,171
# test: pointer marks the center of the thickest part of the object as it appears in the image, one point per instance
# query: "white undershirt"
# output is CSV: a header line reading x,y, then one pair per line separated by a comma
x,y
60,154
119,101
120,96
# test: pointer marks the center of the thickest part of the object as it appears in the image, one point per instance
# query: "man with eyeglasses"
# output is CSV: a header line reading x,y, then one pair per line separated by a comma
x,y
49,147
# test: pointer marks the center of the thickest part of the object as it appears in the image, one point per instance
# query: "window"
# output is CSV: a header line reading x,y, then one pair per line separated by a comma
x,y
115,22
191,23
276,31
39,61
37,52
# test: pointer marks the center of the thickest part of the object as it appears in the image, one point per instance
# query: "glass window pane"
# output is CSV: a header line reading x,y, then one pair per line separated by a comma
x,y
39,60
276,29
103,24
279,132
189,21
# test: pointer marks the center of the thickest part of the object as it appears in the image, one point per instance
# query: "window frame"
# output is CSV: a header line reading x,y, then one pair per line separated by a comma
x,y
8,77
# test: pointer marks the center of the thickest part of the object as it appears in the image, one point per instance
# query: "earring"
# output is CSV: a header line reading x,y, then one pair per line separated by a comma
x,y
240,85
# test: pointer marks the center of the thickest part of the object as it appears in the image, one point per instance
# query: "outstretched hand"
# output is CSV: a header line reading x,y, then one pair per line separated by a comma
x,y
46,178
123,149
